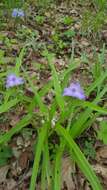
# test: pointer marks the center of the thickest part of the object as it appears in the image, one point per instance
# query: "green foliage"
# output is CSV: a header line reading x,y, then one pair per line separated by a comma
x,y
10,4
43,3
59,44
89,150
41,141
93,22
1,56
27,133
40,19
97,67
102,132
5,154
79,158
101,4
67,20
69,33
67,111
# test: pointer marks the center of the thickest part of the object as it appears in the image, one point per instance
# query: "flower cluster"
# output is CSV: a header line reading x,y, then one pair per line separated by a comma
x,y
74,90
12,80
18,13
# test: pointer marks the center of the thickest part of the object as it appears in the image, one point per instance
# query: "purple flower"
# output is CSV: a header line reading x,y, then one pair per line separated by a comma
x,y
13,80
17,13
74,90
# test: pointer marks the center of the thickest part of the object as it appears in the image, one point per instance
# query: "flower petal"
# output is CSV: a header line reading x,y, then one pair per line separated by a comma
x,y
74,90
13,80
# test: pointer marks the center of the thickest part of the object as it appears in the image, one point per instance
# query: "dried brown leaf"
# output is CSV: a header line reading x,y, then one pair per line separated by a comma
x,y
3,173
68,169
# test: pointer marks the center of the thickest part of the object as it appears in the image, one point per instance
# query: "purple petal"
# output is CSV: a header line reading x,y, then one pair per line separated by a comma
x,y
67,92
13,80
17,13
74,90
20,13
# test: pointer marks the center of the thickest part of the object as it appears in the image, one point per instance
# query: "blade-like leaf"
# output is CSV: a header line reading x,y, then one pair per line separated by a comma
x,y
22,123
39,148
6,106
19,61
80,159
56,83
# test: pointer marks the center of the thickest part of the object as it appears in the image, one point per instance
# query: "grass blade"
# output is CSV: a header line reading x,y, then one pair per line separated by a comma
x,y
47,173
39,148
6,106
57,86
80,159
22,123
90,105
97,83
37,97
19,61
77,127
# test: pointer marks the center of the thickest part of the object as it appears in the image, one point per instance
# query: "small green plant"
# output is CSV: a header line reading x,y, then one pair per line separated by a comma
x,y
69,33
100,4
43,3
10,4
89,150
67,20
40,19
1,56
59,44
5,154
94,20
102,132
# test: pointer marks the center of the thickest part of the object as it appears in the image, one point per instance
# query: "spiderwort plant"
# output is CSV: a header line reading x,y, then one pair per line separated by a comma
x,y
13,80
74,90
42,147
18,13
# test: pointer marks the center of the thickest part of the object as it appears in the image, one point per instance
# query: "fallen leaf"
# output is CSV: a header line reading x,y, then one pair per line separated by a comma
x,y
3,173
101,154
102,172
24,159
68,169
11,184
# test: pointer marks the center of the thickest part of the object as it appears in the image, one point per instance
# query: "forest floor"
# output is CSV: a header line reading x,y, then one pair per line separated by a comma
x,y
58,28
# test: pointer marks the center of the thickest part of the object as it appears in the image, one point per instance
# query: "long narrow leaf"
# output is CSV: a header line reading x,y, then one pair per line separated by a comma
x,y
80,159
19,61
39,148
22,123
6,106
37,97
46,178
77,127
56,82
